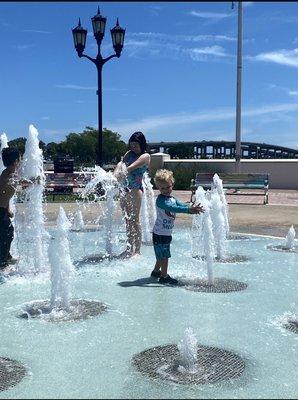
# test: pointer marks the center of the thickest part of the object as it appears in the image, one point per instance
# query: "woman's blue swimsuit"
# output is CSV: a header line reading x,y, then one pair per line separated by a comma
x,y
134,178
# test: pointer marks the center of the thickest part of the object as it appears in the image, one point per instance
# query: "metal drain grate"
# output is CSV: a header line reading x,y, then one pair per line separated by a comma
x,y
11,373
231,258
282,248
220,285
291,325
79,309
213,365
93,259
96,258
234,236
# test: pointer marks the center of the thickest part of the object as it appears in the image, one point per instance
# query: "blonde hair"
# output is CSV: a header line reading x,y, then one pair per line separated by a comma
x,y
163,175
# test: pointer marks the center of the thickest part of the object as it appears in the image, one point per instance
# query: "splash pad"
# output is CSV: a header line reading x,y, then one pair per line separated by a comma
x,y
104,356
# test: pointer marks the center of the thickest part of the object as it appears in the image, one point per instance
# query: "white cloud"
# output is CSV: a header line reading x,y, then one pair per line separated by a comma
x,y
136,43
35,31
76,87
209,15
283,57
23,46
155,10
197,53
220,114
284,89
161,45
247,3
181,38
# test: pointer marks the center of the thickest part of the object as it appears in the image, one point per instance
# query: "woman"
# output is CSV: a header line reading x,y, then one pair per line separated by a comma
x,y
130,173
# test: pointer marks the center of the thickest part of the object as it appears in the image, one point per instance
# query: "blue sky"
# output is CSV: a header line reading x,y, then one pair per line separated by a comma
x,y
175,79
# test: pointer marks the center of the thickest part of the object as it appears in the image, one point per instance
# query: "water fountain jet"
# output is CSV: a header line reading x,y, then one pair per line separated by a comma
x,y
111,189
61,307
289,243
148,210
188,363
32,235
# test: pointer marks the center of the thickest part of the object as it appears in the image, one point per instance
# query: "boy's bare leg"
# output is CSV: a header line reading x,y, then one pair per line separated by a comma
x,y
164,267
157,266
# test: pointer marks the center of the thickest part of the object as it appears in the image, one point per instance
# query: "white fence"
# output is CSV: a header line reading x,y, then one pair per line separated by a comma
x,y
283,173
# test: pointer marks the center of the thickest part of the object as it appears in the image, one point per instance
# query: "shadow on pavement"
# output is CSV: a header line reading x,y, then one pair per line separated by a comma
x,y
144,282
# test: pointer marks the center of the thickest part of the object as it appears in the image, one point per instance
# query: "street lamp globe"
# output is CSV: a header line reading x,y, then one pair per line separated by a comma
x,y
99,25
79,37
117,34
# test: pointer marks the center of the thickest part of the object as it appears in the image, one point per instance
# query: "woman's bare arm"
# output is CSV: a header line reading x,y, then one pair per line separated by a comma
x,y
118,171
144,159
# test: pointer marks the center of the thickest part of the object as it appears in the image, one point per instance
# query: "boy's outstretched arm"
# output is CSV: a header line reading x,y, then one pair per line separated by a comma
x,y
193,209
166,204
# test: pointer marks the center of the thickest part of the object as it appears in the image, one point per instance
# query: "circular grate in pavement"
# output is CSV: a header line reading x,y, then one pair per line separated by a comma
x,y
235,236
93,259
220,285
11,373
282,248
213,365
79,309
230,258
291,325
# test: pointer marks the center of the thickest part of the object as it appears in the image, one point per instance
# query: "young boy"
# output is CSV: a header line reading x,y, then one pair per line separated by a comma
x,y
8,181
167,207
10,158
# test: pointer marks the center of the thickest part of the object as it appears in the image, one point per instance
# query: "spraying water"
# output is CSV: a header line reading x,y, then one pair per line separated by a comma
x,y
78,222
32,234
61,264
3,145
290,238
205,236
188,348
110,186
218,225
217,182
196,231
148,210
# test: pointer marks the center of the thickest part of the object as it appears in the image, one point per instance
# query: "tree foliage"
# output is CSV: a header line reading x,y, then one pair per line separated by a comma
x,y
181,150
18,143
81,146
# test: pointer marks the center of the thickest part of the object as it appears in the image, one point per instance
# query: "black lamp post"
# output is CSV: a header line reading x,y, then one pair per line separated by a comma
x,y
79,36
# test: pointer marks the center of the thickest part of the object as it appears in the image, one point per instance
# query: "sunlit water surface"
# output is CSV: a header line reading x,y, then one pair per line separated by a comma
x,y
92,358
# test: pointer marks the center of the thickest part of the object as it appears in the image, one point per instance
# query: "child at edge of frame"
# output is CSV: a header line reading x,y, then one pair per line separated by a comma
x,y
167,206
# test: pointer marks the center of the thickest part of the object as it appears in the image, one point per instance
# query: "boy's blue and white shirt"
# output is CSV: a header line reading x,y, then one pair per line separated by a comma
x,y
166,209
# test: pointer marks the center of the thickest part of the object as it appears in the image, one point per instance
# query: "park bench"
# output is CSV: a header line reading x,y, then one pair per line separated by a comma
x,y
234,182
65,183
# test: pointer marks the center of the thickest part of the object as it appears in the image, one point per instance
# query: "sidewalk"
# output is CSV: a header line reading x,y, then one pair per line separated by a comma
x,y
247,213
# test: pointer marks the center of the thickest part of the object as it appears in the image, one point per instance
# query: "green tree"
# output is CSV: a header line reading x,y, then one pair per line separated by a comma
x,y
181,150
83,146
51,151
18,143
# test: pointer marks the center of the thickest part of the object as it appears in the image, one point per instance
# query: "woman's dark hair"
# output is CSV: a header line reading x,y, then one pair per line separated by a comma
x,y
139,137
9,156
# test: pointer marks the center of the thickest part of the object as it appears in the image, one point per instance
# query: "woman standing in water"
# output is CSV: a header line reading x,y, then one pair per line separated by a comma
x,y
129,171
